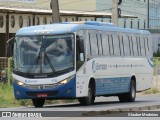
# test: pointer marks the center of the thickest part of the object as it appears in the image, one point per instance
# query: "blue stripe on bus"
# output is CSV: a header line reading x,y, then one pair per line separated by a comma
x,y
106,86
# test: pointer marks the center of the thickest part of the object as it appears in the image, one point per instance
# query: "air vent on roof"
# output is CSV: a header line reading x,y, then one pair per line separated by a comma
x,y
100,23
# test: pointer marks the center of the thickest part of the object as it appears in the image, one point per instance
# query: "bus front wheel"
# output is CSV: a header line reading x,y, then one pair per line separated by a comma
x,y
89,99
38,102
129,97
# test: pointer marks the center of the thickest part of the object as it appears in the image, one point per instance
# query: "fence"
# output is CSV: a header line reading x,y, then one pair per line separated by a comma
x,y
6,69
3,65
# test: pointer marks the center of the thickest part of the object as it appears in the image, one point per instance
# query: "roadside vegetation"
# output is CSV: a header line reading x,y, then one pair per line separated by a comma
x,y
7,97
152,91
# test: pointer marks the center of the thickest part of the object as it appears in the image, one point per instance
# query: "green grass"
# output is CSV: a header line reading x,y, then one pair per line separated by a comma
x,y
7,98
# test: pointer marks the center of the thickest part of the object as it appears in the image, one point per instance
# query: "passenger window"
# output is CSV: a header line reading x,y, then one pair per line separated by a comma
x,y
135,46
143,47
145,51
105,45
138,48
89,51
126,46
121,45
132,48
111,45
99,38
93,42
115,44
147,46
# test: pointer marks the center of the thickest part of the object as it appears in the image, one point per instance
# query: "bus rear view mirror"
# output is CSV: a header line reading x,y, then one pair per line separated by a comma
x,y
81,56
9,47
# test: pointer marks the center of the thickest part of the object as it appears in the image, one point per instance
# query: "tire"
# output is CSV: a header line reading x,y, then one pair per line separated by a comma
x,y
89,99
131,96
38,102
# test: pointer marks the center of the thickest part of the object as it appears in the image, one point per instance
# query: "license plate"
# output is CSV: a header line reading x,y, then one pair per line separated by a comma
x,y
42,95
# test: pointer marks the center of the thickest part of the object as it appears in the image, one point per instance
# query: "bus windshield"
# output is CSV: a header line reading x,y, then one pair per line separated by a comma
x,y
44,54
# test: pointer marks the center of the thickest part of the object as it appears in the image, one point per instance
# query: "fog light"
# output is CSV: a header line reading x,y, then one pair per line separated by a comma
x,y
17,92
69,91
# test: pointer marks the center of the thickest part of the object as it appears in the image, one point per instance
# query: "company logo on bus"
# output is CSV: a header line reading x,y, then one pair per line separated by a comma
x,y
30,81
97,66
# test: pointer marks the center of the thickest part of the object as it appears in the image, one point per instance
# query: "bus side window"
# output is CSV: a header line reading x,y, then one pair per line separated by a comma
x,y
144,42
111,46
147,46
119,40
137,43
143,47
80,49
130,48
99,42
140,46
105,44
135,46
93,41
115,44
126,46
121,45
89,51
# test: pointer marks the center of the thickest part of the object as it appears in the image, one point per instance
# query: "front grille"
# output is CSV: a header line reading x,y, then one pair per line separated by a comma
x,y
41,86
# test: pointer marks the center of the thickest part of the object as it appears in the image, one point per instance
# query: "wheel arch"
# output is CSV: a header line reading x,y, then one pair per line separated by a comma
x,y
133,78
92,84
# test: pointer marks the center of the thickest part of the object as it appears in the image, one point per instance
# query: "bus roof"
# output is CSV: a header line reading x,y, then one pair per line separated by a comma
x,y
70,27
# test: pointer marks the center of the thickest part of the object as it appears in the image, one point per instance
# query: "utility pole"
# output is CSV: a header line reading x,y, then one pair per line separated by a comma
x,y
55,11
148,14
115,12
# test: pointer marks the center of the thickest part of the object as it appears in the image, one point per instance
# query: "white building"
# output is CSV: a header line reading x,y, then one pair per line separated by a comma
x,y
15,14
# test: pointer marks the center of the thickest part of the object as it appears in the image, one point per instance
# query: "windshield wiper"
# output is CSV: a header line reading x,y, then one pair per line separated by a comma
x,y
51,65
36,59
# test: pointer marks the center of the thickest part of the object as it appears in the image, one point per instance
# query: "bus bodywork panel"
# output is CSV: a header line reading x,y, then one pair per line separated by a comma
x,y
113,77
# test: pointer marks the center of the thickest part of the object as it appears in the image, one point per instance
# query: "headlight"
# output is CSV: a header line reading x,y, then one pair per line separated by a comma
x,y
66,80
19,82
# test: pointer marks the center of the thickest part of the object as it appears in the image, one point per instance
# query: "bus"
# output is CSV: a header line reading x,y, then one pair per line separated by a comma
x,y
81,60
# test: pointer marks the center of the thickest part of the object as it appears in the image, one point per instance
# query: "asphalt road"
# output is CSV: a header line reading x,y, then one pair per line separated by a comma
x,y
101,105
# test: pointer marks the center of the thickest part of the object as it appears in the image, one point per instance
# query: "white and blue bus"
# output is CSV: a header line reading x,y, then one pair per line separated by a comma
x,y
81,60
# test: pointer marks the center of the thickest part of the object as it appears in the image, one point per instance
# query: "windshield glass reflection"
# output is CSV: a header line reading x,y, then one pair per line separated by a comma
x,y
44,54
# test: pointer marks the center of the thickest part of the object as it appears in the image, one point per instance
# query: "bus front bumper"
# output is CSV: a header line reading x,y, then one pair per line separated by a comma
x,y
62,91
